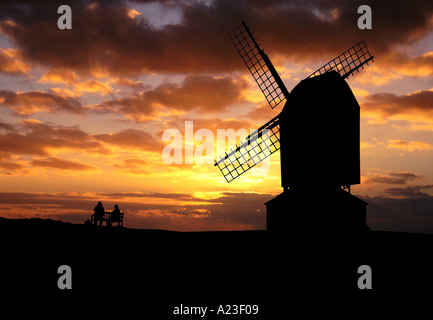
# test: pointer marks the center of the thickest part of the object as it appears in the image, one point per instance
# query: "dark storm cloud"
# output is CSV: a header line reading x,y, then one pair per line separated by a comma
x,y
105,36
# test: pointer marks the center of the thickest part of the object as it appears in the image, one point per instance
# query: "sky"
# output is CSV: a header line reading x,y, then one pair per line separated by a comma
x,y
83,111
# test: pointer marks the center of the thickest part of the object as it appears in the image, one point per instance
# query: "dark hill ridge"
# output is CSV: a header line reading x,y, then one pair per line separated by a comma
x,y
154,270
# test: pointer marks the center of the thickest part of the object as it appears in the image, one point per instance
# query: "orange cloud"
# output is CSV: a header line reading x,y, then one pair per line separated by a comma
x,y
132,13
409,145
66,93
126,82
93,86
196,92
61,164
11,62
396,65
26,103
134,166
392,178
57,76
77,88
10,165
32,137
417,66
378,76
416,105
131,139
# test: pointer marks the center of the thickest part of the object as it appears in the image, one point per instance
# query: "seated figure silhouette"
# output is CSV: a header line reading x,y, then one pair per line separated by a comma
x,y
114,216
99,213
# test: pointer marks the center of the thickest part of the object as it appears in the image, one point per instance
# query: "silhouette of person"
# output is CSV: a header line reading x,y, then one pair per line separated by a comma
x,y
114,216
99,213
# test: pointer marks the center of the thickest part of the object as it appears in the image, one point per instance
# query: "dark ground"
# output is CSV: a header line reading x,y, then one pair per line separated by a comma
x,y
144,274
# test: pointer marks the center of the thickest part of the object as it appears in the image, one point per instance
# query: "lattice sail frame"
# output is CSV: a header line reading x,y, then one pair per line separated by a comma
x,y
256,147
348,62
259,65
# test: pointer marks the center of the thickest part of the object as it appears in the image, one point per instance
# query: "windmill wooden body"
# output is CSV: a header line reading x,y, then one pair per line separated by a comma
x,y
317,133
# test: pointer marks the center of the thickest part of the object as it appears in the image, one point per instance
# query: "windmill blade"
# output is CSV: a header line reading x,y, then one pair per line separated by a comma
x,y
257,146
259,65
348,62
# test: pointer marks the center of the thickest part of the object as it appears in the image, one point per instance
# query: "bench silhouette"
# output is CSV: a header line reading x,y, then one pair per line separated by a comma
x,y
106,217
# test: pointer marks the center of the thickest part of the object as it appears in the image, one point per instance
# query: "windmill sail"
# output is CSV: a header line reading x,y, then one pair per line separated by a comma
x,y
259,65
266,140
256,147
348,62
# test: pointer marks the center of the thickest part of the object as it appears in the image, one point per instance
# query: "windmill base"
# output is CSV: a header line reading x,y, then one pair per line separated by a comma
x,y
301,211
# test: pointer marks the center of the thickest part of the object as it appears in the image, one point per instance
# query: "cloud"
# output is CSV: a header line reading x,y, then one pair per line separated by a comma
x,y
61,164
413,66
11,62
31,137
405,175
56,76
409,106
195,92
410,191
199,92
75,87
93,86
212,124
133,166
396,65
384,179
392,178
131,139
160,195
198,43
126,82
133,13
6,126
11,166
26,103
134,162
409,145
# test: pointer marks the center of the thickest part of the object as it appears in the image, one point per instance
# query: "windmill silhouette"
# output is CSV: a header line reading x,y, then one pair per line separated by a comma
x,y
317,133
